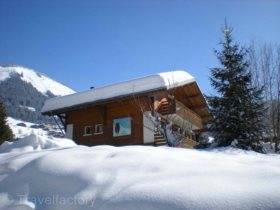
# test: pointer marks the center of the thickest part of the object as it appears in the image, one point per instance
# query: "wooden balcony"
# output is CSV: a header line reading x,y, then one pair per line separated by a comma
x,y
189,115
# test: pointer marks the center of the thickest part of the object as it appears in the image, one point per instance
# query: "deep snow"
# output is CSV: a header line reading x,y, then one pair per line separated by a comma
x,y
135,177
31,137
34,142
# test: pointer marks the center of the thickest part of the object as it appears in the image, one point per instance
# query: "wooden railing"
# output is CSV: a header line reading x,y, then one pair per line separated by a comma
x,y
188,114
188,143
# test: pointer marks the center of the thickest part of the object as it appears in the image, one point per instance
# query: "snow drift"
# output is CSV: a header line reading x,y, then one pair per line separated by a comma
x,y
22,129
32,137
35,143
137,177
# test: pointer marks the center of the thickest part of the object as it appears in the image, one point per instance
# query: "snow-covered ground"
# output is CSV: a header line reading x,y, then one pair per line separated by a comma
x,y
22,128
38,173
33,137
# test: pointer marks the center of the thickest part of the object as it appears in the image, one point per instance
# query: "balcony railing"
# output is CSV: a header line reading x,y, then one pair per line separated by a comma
x,y
186,113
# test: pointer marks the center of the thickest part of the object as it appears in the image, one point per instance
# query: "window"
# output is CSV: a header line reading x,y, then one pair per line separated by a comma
x,y
98,129
122,127
87,131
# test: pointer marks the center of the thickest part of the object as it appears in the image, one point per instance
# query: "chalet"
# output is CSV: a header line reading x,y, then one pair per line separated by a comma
x,y
120,114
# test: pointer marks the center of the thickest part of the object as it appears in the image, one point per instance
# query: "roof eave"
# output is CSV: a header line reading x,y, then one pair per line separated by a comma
x,y
98,102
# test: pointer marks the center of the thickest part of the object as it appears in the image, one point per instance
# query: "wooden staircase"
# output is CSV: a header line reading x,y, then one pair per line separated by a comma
x,y
159,139
167,107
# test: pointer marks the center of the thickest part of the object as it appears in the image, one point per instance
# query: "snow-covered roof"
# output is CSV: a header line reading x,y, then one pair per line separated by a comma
x,y
165,80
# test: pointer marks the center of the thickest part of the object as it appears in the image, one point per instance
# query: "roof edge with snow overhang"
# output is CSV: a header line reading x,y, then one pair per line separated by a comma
x,y
160,81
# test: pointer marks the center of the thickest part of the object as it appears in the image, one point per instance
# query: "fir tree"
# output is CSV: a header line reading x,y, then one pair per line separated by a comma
x,y
238,108
5,131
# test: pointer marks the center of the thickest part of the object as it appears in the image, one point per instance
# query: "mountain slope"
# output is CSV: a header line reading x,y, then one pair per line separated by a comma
x,y
23,92
38,80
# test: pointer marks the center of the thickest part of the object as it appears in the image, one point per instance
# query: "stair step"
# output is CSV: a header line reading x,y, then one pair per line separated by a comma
x,y
159,139
164,110
164,113
159,143
157,133
162,140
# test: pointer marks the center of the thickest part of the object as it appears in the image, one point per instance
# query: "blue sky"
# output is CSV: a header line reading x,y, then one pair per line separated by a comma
x,y
93,43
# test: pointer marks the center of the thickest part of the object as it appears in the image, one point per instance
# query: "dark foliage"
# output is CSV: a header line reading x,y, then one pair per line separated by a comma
x,y
5,131
238,107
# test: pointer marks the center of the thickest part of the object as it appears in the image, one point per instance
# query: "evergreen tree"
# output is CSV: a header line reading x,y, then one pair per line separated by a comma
x,y
5,131
237,108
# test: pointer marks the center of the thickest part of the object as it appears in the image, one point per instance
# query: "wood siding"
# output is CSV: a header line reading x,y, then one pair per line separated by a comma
x,y
106,114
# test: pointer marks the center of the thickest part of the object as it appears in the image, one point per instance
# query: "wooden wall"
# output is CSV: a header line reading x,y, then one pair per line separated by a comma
x,y
105,114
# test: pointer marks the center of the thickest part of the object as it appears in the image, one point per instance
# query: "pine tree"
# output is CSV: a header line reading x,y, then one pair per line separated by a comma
x,y
5,131
237,108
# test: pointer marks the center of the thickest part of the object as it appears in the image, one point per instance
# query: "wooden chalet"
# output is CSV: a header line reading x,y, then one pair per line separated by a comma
x,y
118,114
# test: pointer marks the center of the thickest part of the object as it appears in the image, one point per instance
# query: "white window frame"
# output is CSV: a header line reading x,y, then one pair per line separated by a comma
x,y
95,128
85,128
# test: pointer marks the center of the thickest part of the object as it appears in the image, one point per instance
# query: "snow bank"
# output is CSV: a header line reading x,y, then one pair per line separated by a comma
x,y
19,131
137,178
153,82
41,82
35,142
22,129
29,139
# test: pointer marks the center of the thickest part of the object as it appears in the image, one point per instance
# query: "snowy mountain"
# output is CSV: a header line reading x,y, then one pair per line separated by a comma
x,y
38,80
23,92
